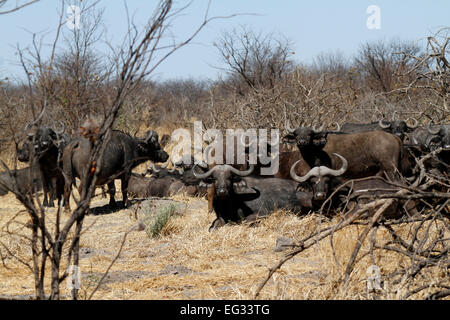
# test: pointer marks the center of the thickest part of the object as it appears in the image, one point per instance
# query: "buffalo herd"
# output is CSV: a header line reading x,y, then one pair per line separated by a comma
x,y
326,166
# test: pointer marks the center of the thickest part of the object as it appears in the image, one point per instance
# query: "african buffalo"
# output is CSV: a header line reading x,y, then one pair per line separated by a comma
x,y
44,146
26,179
122,154
321,179
237,152
141,186
240,197
397,127
366,190
428,139
164,184
368,153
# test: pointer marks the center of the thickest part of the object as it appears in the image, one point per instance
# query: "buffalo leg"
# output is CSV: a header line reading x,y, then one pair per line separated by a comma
x,y
210,195
219,222
53,191
124,184
67,189
112,193
45,185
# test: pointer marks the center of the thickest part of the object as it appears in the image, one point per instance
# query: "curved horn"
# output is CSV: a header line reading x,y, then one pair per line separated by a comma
x,y
338,126
154,168
172,170
311,173
243,173
202,175
207,153
288,127
433,131
318,130
166,164
178,163
325,171
383,125
60,132
415,125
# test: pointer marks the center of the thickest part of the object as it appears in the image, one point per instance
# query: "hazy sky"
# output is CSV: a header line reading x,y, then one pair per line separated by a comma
x,y
314,27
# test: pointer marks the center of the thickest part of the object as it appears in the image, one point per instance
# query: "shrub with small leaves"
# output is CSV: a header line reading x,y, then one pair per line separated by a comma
x,y
155,222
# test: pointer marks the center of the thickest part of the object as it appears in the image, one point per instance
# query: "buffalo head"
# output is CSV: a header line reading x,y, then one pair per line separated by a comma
x,y
38,142
439,136
320,177
226,179
398,127
149,147
306,136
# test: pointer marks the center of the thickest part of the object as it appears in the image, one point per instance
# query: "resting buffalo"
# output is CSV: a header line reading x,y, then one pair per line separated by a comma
x,y
45,146
239,197
237,152
398,127
122,154
424,140
366,190
164,185
141,186
26,179
368,153
321,179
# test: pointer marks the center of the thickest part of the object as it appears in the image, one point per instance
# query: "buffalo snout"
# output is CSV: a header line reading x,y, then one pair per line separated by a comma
x,y
302,142
162,156
222,193
320,196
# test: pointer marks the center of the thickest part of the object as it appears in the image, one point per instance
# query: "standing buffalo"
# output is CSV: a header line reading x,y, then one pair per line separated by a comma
x,y
44,146
399,128
368,153
122,154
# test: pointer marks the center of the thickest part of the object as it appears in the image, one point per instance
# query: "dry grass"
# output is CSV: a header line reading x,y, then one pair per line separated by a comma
x,y
188,262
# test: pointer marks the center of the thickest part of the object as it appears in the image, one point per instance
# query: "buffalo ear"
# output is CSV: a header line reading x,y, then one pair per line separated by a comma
x,y
289,138
242,188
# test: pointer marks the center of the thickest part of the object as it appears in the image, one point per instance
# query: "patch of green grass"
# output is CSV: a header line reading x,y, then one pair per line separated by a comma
x,y
155,223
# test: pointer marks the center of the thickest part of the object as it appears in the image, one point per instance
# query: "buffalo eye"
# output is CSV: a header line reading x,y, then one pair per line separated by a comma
x,y
290,138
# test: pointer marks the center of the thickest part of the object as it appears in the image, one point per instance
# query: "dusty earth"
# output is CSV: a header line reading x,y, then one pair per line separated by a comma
x,y
186,261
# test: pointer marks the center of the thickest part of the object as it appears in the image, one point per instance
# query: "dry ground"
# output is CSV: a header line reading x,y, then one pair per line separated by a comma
x,y
188,262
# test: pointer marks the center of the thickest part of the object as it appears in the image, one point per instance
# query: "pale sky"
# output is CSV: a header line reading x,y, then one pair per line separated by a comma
x,y
314,27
